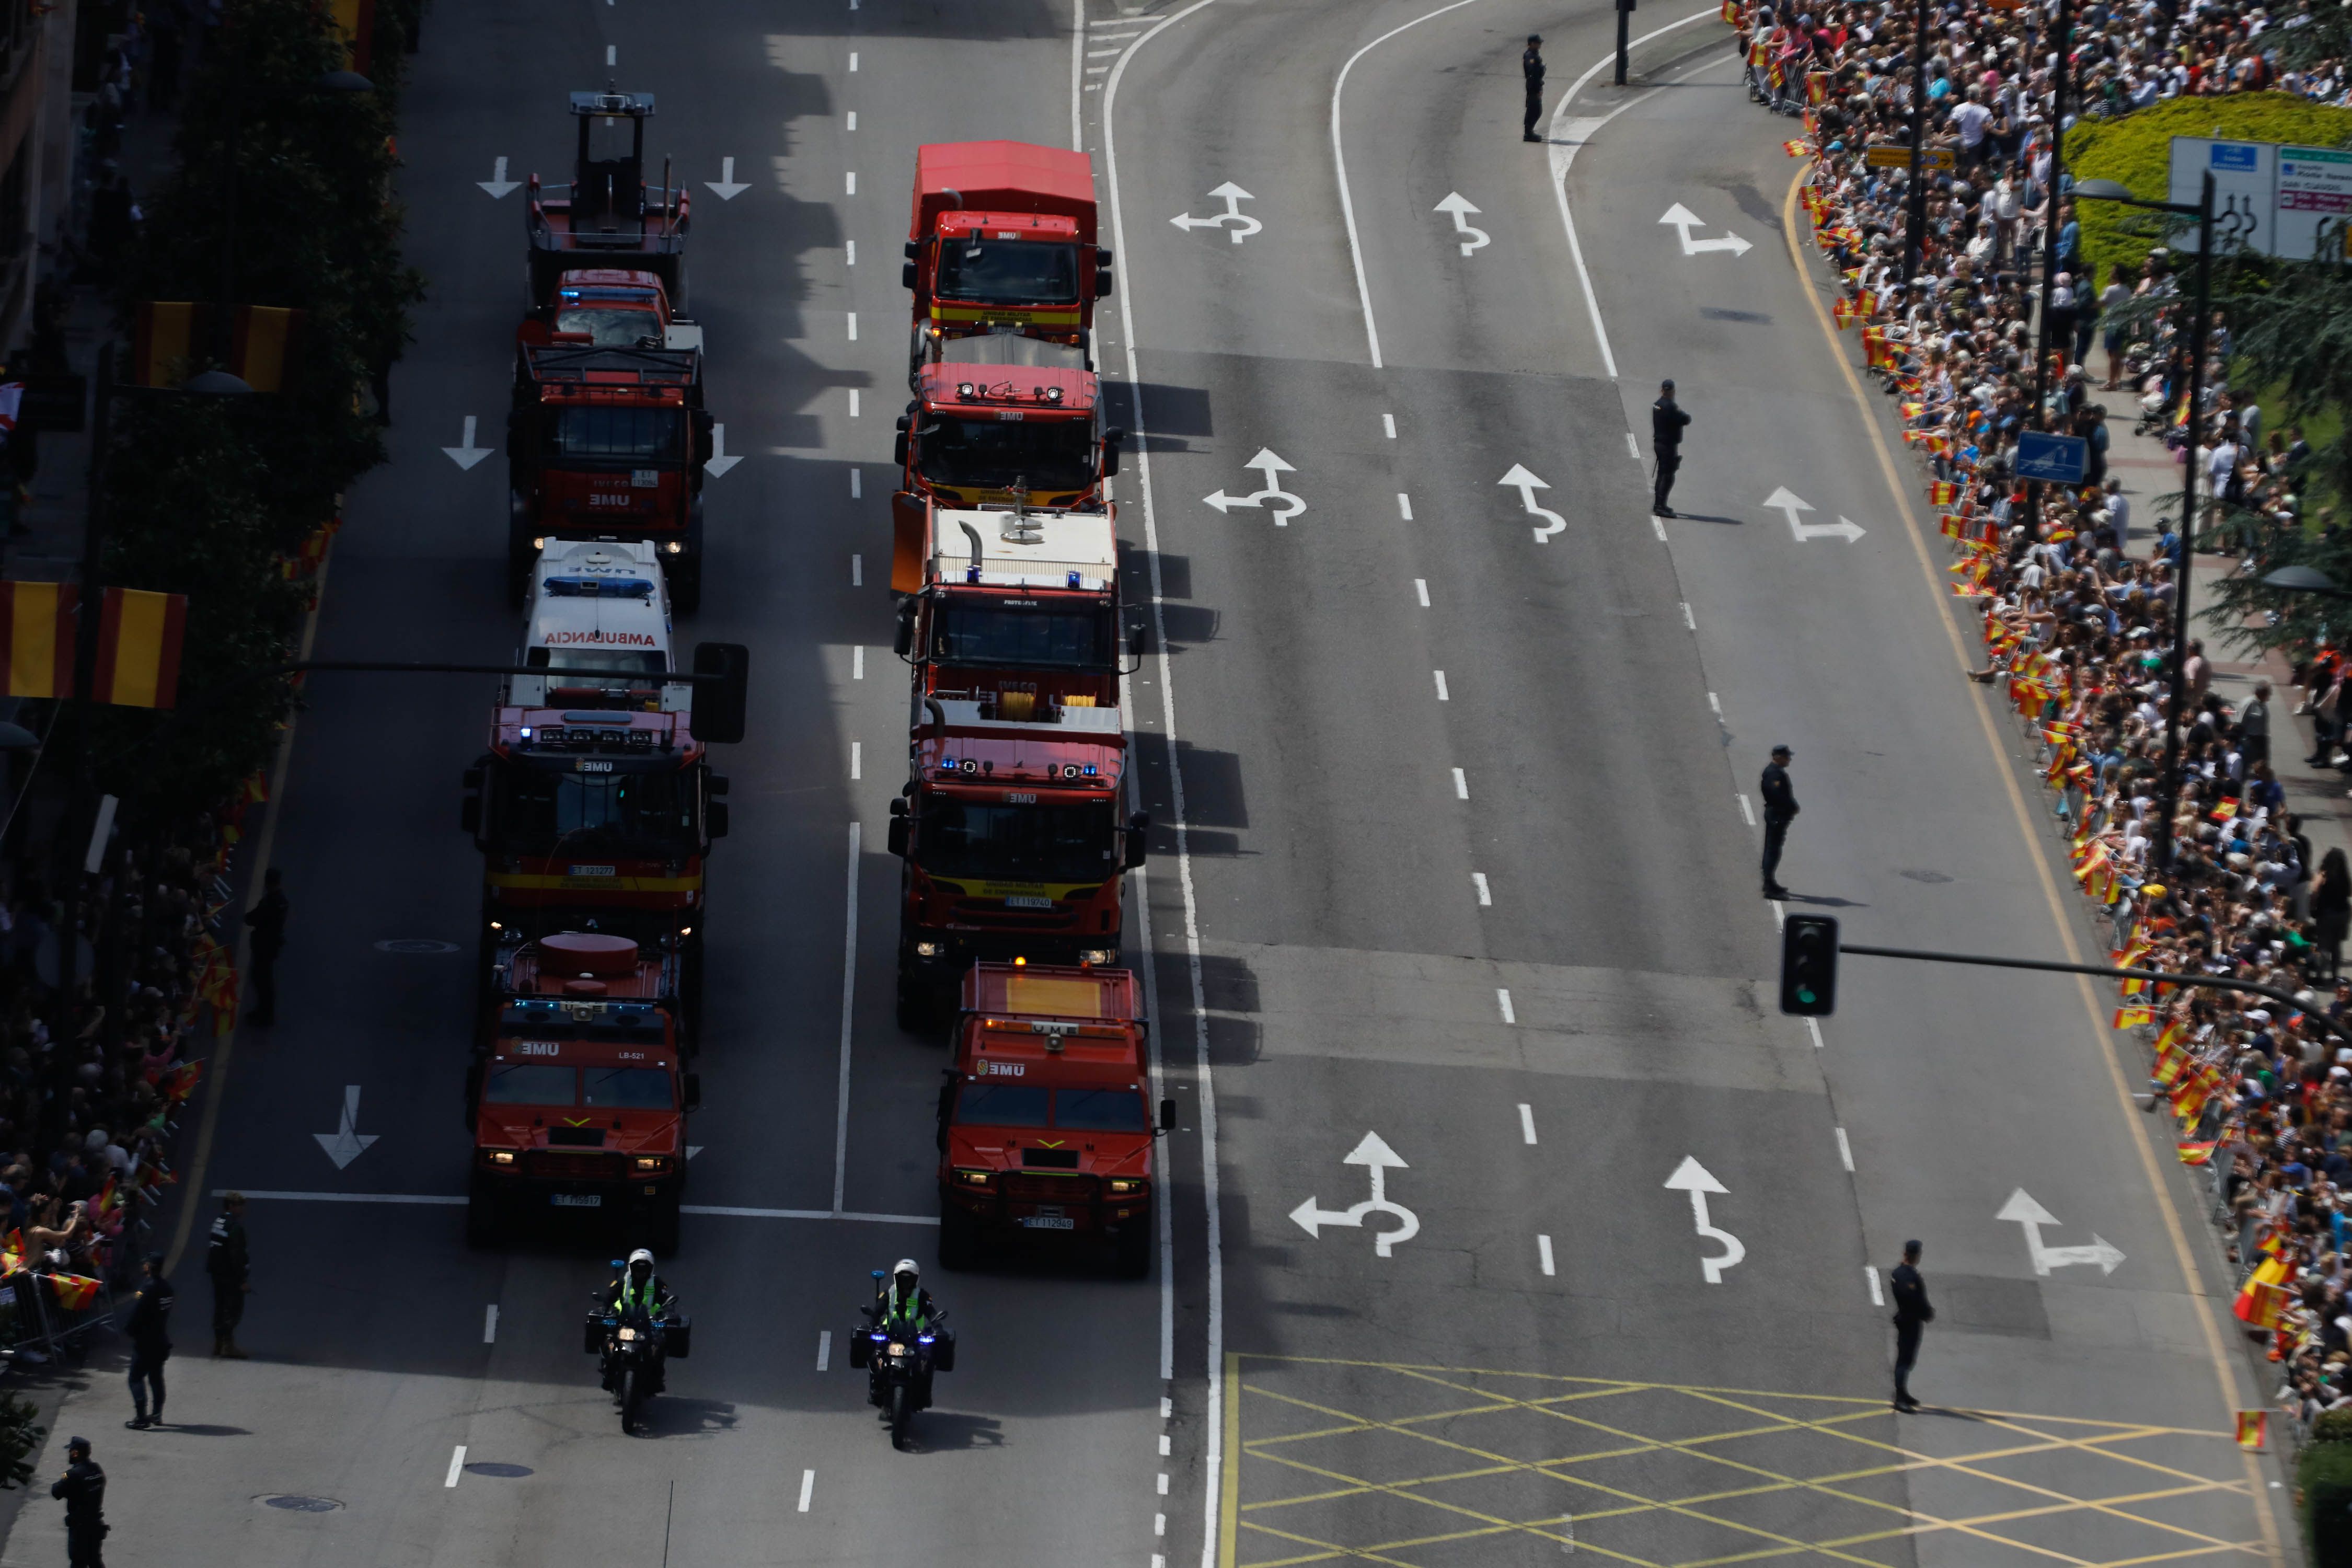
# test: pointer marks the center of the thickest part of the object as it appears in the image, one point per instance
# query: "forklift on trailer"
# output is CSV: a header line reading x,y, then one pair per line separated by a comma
x,y
607,215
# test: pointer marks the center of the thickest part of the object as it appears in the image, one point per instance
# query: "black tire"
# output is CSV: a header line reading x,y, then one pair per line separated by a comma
x,y
482,1218
959,1239
630,1399
901,1412
1131,1254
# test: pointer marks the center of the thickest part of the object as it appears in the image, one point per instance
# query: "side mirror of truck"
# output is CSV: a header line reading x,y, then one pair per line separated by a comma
x,y
898,447
907,276
897,841
1167,1116
1139,834
718,819
704,441
914,249
1102,283
903,643
694,1092
897,806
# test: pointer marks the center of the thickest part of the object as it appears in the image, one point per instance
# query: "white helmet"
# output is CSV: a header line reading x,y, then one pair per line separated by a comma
x,y
643,1255
905,1268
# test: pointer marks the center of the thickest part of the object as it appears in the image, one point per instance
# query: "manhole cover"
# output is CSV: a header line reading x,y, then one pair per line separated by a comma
x,y
1930,878
490,1468
415,945
294,1504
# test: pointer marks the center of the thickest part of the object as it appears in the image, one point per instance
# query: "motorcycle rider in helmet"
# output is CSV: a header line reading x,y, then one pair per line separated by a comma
x,y
638,1293
902,1305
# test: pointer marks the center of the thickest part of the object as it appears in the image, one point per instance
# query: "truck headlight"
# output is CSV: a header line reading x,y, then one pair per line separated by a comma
x,y
972,1178
651,1165
500,1156
673,546
1098,955
926,950
1121,1186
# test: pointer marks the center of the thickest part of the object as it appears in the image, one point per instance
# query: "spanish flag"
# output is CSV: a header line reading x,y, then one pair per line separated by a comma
x,y
2264,1297
73,1292
1794,149
1943,493
2133,1017
2196,1153
181,1081
2252,1429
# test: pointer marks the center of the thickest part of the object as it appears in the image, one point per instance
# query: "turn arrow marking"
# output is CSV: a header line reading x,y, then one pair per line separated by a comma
x,y
346,1143
1233,196
1374,1154
719,462
1790,504
498,184
726,185
1685,220
1527,485
1270,466
1460,209
466,454
1691,1177
2022,1210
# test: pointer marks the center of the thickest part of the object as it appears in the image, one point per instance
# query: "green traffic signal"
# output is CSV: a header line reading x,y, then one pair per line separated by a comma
x,y
1809,950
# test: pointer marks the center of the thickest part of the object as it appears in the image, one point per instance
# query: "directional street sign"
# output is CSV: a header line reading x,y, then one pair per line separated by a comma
x,y
346,1143
1932,160
1527,485
498,184
2055,459
1691,1177
1270,465
1783,500
726,186
2021,1209
1460,209
1233,195
466,454
1685,220
1380,1159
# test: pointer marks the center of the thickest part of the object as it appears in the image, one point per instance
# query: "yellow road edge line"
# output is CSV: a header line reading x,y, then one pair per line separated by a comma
x,y
217,1069
1229,1504
2225,1372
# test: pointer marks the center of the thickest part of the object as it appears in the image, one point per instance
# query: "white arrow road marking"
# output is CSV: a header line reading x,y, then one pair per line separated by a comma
x,y
1691,1177
465,454
1783,500
1270,465
720,461
1527,485
1685,220
1380,1159
726,185
1460,209
2022,1209
346,1143
498,184
1234,196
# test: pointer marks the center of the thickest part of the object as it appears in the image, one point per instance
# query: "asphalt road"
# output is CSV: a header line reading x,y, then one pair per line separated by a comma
x,y
1464,861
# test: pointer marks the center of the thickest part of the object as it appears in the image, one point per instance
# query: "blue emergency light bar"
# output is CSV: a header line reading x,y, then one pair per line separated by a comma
x,y
599,587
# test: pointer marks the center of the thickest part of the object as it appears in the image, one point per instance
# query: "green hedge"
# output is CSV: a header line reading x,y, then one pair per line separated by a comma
x,y
2135,149
2323,1479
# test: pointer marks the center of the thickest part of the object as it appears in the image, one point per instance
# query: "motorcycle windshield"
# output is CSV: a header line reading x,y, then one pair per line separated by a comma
x,y
993,454
1008,271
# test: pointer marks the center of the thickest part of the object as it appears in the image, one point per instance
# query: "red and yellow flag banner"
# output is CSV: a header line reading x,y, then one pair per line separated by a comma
x,y
139,640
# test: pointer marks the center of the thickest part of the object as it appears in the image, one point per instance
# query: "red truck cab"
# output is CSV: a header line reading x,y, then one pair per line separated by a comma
x,y
608,307
992,435
1002,238
578,1097
1046,1126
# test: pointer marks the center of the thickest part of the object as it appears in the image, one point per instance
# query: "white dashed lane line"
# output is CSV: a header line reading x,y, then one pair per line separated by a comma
x,y
1485,896
1503,1000
1543,1255
1421,589
808,1486
1461,785
457,1466
1527,1122
1845,1151
1442,695
823,1349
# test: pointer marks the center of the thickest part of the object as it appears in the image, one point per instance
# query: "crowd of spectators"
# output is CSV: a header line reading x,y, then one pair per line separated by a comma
x,y
2078,595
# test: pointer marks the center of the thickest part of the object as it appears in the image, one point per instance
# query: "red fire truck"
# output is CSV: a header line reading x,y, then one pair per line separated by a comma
x,y
608,216
578,1095
1045,1120
977,434
608,307
1002,238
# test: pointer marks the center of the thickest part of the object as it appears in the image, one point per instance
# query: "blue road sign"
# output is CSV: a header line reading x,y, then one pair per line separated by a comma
x,y
2054,460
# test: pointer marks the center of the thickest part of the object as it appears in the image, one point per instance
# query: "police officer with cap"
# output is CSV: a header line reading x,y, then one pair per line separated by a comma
x,y
1780,810
1531,65
1666,423
83,1490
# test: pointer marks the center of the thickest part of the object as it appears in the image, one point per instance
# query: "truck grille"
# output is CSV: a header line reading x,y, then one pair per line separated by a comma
x,y
1027,1189
548,1165
994,912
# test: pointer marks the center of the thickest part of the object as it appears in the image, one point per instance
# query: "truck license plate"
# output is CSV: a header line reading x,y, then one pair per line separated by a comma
x,y
1049,1222
1028,903
576,1200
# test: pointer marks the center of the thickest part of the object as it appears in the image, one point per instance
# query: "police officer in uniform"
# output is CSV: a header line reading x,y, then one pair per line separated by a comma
x,y
150,1327
267,918
1912,1315
1780,810
83,1490
231,1266
1666,423
1531,65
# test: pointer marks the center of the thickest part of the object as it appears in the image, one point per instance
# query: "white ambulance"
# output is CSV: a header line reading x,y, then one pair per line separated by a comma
x,y
598,621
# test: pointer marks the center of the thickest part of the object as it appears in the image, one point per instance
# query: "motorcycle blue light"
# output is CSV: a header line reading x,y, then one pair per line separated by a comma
x,y
925,1339
878,1339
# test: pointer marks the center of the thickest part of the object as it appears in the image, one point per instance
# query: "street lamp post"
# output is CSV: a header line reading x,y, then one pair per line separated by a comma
x,y
2160,846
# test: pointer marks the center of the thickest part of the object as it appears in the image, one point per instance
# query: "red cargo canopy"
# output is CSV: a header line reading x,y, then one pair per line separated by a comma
x,y
1002,176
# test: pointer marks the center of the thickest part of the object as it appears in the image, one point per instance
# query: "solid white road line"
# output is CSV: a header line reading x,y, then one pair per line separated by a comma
x,y
1747,812
848,1018
1478,880
457,1466
1421,591
1078,59
1871,1275
1527,1122
1543,1255
490,1324
1845,1150
823,1349
1347,202
1442,695
1461,785
1503,1000
856,758
808,1485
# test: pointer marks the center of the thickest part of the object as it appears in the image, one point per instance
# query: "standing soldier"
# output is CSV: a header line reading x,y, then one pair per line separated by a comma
x,y
268,919
1667,422
151,1343
83,1490
1531,65
226,1260
1912,1315
1780,810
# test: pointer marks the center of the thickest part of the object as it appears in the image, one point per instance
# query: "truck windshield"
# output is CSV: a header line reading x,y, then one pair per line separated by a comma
x,y
1100,1110
991,454
610,327
1008,271
532,1083
539,812
1003,1105
1039,843
974,631
628,1089
631,661
603,431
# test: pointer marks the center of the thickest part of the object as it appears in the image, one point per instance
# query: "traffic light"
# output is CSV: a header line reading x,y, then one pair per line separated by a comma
x,y
1808,955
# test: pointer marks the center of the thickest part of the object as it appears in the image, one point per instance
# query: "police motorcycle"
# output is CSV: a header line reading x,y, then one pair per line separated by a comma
x,y
636,1346
899,1369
